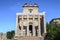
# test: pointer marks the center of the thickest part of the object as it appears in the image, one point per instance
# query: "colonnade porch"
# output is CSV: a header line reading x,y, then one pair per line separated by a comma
x,y
25,30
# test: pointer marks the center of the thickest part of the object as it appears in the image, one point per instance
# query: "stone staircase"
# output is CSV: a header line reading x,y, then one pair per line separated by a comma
x,y
29,38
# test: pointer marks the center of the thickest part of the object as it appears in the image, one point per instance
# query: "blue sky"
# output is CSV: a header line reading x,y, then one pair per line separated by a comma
x,y
9,8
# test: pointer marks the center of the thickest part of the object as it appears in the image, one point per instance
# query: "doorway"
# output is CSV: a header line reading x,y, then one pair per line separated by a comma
x,y
30,30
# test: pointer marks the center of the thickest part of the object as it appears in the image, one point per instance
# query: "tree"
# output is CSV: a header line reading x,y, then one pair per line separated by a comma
x,y
10,34
53,31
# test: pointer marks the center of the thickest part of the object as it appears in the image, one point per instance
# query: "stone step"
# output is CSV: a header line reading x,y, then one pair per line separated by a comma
x,y
29,38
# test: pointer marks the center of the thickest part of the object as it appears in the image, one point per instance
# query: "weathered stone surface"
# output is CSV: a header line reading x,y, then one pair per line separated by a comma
x,y
30,24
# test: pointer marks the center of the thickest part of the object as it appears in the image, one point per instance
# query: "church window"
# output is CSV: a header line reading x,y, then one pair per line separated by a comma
x,y
30,10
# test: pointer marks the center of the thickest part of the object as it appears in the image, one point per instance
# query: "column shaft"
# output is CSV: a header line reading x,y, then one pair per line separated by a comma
x,y
39,27
16,26
44,25
33,27
22,27
27,25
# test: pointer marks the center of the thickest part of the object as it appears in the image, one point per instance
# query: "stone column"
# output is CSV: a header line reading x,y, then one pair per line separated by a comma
x,y
22,27
27,25
16,31
33,27
44,25
39,27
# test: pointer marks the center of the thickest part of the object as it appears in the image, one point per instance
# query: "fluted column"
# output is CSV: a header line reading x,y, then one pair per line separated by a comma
x,y
33,27
39,27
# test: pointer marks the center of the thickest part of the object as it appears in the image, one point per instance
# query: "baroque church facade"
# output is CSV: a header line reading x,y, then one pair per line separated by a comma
x,y
30,24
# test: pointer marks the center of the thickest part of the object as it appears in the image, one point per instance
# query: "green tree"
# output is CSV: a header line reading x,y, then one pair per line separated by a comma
x,y
10,34
53,31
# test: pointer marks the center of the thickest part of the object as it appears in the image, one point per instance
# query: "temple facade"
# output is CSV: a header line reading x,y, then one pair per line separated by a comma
x,y
30,24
